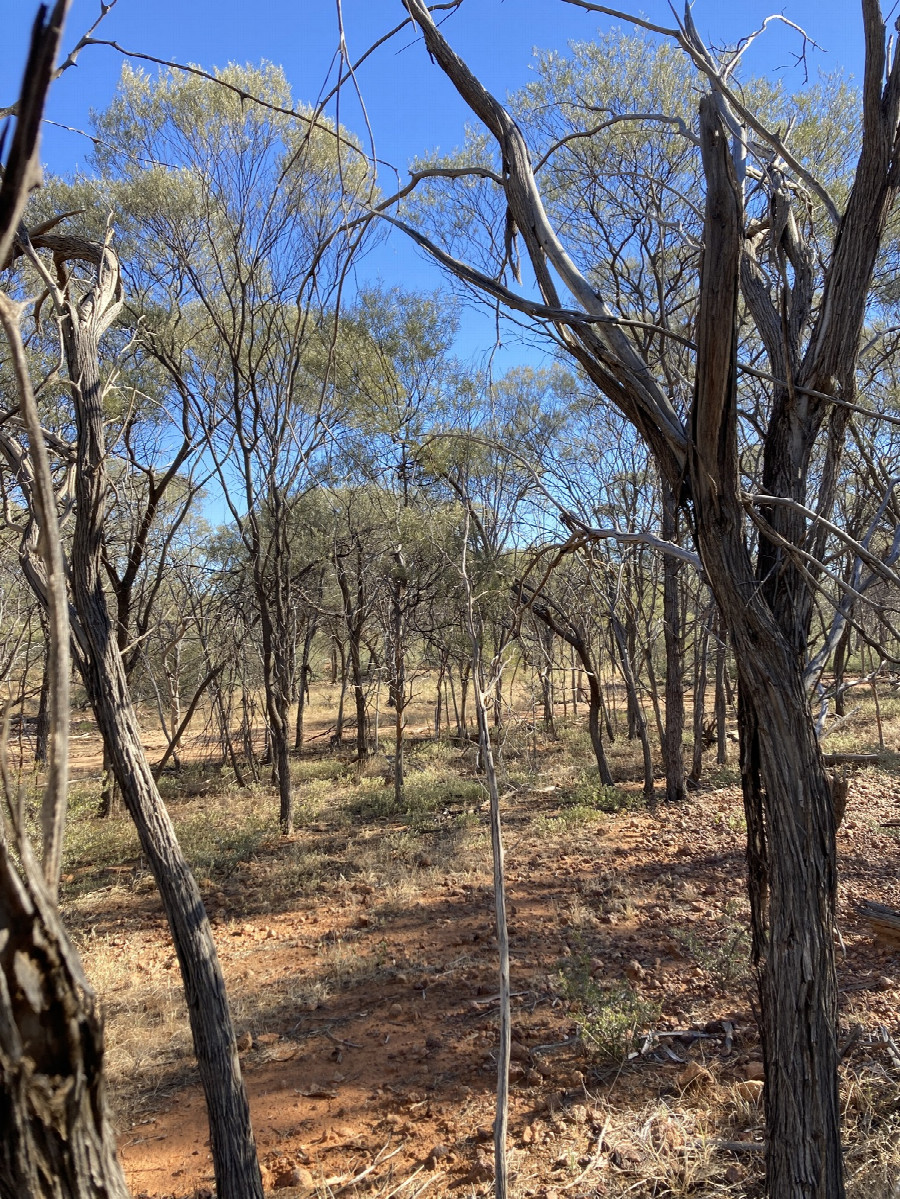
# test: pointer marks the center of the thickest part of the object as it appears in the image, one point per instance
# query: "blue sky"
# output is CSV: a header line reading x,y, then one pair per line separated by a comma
x,y
411,107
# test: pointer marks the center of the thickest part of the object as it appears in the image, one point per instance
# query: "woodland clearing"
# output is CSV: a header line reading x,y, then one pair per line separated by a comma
x,y
360,960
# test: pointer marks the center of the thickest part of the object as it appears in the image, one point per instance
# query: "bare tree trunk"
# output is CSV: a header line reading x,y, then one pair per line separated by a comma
x,y
545,674
227,740
499,879
595,708
56,1136
359,700
439,699
672,747
812,329
459,732
342,699
231,1137
574,635
399,671
721,707
354,620
303,684
277,669
701,657
840,662
634,704
654,693
790,820
42,724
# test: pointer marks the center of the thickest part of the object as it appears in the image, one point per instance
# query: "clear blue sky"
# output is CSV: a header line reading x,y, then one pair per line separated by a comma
x,y
411,106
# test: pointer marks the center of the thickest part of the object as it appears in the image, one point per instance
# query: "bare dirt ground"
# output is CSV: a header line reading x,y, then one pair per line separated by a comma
x,y
361,964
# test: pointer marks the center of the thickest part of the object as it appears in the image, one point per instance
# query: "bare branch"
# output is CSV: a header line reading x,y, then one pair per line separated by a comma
x,y
22,172
677,122
690,42
11,110
53,811
862,551
313,122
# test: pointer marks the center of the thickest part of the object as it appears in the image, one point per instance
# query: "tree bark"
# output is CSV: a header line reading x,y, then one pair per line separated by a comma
x,y
767,610
42,724
100,662
57,1139
672,747
303,683
701,656
398,633
721,702
791,851
635,711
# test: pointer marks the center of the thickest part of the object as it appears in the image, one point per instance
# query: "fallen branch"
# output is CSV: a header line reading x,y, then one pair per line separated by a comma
x,y
884,921
850,759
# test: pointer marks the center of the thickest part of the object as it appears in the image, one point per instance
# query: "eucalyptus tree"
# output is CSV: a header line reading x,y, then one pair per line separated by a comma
x,y
232,212
408,390
83,288
487,458
781,253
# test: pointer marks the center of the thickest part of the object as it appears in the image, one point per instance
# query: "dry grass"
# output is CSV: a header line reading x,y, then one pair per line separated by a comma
x,y
370,863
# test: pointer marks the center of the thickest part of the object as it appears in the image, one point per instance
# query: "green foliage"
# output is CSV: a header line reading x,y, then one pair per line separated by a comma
x,y
432,784
577,816
590,794
610,1017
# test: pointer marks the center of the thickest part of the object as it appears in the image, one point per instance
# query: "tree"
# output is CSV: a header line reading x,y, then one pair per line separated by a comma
x,y
238,270
57,1134
759,549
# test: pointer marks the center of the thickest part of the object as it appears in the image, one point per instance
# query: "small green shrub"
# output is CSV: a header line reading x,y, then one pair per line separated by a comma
x,y
609,1016
589,792
576,816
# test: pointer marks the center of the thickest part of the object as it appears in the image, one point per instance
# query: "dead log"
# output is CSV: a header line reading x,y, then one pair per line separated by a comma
x,y
884,921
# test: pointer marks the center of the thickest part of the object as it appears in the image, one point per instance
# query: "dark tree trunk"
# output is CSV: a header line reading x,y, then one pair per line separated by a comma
x,y
595,708
109,791
355,613
303,685
398,632
701,656
790,823
721,705
653,689
463,725
672,745
840,664
634,704
271,578
42,724
342,699
545,674
812,330
57,1139
574,635
100,662
359,702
